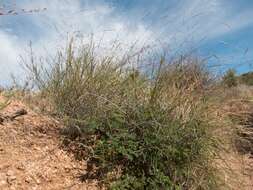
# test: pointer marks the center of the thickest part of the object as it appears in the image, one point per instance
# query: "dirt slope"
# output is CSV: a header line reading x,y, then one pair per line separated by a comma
x,y
30,156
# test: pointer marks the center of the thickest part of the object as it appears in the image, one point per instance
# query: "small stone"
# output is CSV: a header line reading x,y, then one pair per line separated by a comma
x,y
11,179
10,173
28,180
3,182
21,167
38,181
67,169
1,120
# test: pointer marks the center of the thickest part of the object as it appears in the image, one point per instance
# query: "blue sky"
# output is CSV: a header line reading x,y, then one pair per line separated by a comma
x,y
219,29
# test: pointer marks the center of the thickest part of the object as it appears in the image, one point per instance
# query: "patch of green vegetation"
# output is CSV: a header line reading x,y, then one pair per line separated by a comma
x,y
230,78
246,78
140,128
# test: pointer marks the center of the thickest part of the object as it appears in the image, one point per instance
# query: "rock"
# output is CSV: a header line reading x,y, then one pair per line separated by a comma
x,y
21,167
1,120
18,113
28,180
67,167
38,181
10,176
3,183
10,179
10,173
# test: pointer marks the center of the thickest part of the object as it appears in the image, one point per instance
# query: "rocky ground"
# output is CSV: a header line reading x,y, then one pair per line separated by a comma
x,y
30,153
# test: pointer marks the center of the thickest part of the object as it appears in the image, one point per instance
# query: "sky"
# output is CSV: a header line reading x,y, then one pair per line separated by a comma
x,y
219,30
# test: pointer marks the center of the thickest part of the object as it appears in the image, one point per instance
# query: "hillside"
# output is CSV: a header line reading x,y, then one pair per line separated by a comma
x,y
30,153
104,124
126,95
31,156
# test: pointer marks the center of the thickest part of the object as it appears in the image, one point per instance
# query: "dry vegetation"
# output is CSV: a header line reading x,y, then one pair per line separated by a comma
x,y
168,125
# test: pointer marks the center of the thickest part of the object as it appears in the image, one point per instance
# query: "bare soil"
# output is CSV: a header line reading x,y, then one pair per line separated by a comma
x,y
30,154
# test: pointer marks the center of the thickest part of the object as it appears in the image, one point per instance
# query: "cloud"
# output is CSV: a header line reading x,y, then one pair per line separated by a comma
x,y
61,19
192,21
178,23
9,54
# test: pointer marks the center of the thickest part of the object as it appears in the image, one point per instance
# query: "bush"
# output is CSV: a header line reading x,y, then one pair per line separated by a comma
x,y
230,79
246,78
139,129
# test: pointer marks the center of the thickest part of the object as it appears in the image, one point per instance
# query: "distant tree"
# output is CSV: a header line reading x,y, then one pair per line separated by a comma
x,y
246,78
230,79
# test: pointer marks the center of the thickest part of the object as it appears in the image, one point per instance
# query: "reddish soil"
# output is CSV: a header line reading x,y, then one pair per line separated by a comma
x,y
31,157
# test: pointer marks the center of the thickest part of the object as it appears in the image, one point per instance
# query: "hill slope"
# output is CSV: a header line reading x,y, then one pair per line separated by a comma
x,y
30,157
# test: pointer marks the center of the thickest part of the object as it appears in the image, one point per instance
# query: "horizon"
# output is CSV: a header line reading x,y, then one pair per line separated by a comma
x,y
218,29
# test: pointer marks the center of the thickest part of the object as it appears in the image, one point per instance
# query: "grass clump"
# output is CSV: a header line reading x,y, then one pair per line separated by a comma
x,y
139,128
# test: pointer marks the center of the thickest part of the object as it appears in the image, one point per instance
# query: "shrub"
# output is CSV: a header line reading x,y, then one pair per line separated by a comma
x,y
230,79
139,129
246,78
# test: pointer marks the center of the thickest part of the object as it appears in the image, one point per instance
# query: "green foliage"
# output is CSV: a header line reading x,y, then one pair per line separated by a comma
x,y
246,78
153,150
140,130
230,79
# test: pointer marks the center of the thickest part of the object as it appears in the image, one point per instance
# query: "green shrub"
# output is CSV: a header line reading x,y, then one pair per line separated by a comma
x,y
229,79
151,148
140,128
246,78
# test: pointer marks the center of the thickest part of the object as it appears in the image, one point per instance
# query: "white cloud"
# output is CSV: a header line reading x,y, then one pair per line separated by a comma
x,y
99,19
63,18
9,53
188,22
195,20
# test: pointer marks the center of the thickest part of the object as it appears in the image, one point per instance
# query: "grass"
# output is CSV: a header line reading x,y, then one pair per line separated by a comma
x,y
4,102
240,113
138,128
